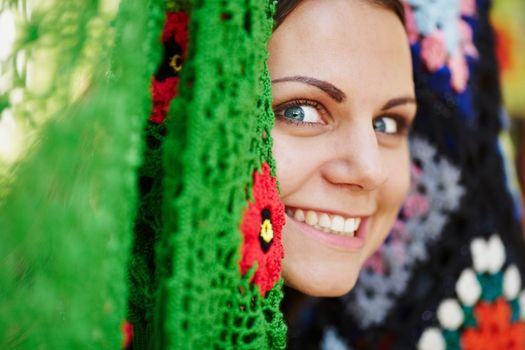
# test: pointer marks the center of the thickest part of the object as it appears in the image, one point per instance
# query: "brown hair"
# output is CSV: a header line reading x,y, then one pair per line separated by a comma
x,y
284,7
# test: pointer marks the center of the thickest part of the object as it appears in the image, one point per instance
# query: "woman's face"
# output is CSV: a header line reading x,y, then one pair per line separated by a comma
x,y
343,98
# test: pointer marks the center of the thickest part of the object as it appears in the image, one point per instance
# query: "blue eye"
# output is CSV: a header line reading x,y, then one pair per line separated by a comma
x,y
386,125
302,113
295,113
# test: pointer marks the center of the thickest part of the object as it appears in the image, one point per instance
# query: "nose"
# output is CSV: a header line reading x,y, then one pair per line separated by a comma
x,y
355,159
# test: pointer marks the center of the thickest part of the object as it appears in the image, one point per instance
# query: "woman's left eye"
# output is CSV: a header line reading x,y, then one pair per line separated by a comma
x,y
386,125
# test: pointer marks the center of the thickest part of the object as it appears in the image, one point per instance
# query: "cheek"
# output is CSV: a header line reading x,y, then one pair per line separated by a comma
x,y
285,161
395,189
289,154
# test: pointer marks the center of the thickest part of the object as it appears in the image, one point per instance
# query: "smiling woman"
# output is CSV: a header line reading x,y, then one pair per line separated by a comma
x,y
344,101
160,216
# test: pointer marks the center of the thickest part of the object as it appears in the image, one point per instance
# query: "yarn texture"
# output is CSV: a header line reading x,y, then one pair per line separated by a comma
x,y
449,275
67,218
146,215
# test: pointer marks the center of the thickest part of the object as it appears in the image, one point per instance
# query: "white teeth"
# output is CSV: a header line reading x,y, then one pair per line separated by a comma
x,y
349,225
335,224
338,223
324,221
299,215
357,223
311,218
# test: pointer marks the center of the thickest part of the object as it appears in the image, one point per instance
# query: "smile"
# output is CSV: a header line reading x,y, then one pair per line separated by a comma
x,y
335,224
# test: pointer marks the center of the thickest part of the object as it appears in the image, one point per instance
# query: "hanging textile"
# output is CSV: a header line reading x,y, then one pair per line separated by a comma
x,y
146,213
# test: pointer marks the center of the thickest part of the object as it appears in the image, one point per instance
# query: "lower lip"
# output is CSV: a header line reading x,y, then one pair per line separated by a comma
x,y
347,243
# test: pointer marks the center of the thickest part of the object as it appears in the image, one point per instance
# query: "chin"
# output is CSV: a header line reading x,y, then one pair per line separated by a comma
x,y
321,279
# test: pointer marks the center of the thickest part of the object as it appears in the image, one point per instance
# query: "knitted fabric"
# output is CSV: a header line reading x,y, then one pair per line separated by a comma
x,y
180,193
435,194
212,287
449,275
66,223
204,298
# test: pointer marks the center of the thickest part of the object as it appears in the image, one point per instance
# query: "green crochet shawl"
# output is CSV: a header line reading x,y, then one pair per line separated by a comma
x,y
132,217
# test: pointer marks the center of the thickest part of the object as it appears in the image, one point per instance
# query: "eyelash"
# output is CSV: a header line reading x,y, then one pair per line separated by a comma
x,y
295,103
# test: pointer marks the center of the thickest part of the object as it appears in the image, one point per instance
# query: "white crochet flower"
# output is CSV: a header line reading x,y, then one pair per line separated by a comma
x,y
468,288
450,314
488,256
431,339
511,282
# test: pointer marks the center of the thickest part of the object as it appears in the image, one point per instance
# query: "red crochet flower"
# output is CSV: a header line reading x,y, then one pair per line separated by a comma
x,y
261,227
127,333
166,81
495,330
177,27
162,93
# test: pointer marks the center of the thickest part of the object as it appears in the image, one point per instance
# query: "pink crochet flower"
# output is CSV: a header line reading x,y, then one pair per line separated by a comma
x,y
400,251
468,7
467,45
433,51
415,174
375,262
415,204
399,231
459,72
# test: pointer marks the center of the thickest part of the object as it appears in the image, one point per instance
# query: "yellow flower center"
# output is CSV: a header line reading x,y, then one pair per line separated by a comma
x,y
176,63
267,231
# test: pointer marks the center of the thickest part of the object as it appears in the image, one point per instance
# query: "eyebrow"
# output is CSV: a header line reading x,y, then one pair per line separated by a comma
x,y
332,91
398,102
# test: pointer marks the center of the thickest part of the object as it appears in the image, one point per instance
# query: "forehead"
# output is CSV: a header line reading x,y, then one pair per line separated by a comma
x,y
352,44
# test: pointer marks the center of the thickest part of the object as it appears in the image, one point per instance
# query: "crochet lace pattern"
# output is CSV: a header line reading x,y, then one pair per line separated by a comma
x,y
66,221
450,274
146,217
435,194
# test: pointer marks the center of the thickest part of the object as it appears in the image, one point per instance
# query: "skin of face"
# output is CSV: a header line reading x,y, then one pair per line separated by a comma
x,y
345,64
